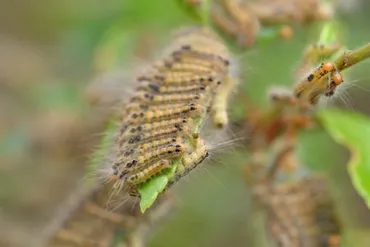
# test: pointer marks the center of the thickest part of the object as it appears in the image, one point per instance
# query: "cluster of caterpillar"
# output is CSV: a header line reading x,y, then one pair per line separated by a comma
x,y
296,216
299,214
89,223
320,81
84,224
243,19
161,121
160,125
288,11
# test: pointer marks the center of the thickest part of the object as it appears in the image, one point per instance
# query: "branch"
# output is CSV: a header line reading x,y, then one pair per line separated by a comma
x,y
350,58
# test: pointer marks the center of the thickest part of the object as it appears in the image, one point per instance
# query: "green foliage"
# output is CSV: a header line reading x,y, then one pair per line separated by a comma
x,y
353,131
149,191
329,33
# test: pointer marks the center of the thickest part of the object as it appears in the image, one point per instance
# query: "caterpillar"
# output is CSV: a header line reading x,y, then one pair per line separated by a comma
x,y
153,98
170,112
197,86
90,223
193,68
137,106
151,128
159,142
220,102
293,214
159,153
196,154
150,136
183,78
322,81
191,159
144,174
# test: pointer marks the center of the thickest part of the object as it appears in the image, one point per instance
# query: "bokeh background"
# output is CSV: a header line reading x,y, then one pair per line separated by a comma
x,y
57,59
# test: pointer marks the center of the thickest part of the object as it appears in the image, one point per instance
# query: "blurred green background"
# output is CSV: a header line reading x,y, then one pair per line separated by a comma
x,y
51,52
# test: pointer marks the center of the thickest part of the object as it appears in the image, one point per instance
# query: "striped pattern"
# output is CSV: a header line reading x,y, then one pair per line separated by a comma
x,y
160,123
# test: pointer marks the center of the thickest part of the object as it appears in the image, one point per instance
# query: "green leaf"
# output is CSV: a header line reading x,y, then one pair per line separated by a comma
x,y
150,190
191,11
329,33
353,131
205,7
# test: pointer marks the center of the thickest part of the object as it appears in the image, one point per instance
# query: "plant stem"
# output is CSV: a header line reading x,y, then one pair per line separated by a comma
x,y
205,12
350,58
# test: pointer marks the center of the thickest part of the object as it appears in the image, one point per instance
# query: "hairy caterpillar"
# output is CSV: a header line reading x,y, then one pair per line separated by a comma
x,y
322,81
172,128
156,125
160,122
148,172
197,86
183,78
159,142
158,153
89,223
190,110
219,105
192,158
